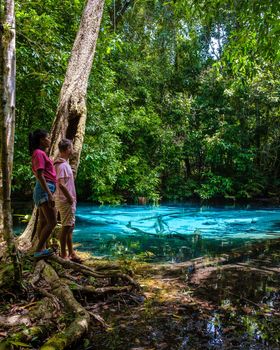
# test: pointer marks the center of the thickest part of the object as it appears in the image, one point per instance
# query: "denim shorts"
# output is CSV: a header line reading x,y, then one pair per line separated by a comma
x,y
39,195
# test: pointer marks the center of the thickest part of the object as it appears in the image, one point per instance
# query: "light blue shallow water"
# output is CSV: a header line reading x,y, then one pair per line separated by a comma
x,y
171,232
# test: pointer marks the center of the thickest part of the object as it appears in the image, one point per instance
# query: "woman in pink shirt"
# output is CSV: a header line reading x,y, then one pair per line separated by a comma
x,y
45,187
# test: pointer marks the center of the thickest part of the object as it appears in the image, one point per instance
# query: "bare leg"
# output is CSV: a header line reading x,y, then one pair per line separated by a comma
x,y
70,240
50,217
73,256
41,224
65,232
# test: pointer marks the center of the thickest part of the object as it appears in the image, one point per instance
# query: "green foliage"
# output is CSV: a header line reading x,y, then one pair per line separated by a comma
x,y
183,99
213,186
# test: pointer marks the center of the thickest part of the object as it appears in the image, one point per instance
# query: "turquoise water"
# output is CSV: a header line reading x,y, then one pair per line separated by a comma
x,y
171,233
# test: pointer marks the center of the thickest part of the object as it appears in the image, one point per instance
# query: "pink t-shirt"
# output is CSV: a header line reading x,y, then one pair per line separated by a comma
x,y
41,161
64,171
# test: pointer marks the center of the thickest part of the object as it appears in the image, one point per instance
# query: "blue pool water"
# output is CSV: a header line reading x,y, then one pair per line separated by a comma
x,y
171,232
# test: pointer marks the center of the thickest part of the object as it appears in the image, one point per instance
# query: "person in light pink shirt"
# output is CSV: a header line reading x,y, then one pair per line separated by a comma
x,y
66,199
45,175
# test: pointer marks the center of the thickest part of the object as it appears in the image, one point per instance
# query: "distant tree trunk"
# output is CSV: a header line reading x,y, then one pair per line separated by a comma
x,y
117,10
71,113
188,170
7,120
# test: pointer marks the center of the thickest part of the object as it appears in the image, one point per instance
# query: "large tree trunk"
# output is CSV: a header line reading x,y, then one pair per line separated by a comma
x,y
71,113
7,120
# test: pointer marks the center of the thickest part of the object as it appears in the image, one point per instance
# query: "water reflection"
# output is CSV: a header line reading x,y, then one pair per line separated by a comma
x,y
247,306
214,330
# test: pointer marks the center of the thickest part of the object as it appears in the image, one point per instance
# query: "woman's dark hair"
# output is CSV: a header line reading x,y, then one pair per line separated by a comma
x,y
34,139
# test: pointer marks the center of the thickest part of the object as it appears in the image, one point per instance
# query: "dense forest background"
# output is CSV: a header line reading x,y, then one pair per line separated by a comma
x,y
183,100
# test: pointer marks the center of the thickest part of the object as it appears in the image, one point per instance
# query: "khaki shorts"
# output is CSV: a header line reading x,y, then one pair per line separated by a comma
x,y
67,213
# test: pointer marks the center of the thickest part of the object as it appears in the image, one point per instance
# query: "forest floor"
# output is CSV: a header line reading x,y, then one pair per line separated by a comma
x,y
227,302
233,304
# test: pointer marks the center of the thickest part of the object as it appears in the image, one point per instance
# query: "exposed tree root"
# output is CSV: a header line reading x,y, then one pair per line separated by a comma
x,y
49,295
99,291
88,271
46,282
79,325
60,288
56,279
59,291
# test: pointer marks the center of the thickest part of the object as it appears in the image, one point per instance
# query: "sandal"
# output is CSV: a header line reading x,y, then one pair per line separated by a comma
x,y
76,259
65,257
43,253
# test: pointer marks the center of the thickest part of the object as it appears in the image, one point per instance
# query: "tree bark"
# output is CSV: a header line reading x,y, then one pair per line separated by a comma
x,y
70,119
71,112
7,120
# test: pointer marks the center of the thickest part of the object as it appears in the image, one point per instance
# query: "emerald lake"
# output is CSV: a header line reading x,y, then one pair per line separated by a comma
x,y
171,233
168,232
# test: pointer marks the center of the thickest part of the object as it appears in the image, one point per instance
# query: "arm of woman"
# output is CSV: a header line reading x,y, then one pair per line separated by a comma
x,y
45,187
